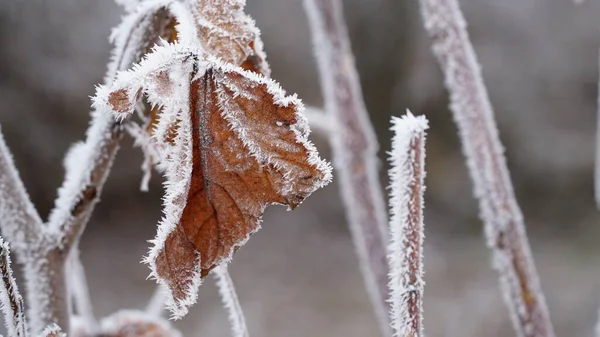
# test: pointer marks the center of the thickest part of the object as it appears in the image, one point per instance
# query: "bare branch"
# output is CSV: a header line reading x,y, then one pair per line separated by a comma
x,y
354,148
504,225
231,302
12,302
407,176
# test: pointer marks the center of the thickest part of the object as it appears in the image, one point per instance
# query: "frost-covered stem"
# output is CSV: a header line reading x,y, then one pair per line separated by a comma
x,y
231,302
43,269
504,225
156,305
10,298
407,176
20,223
354,148
80,292
87,171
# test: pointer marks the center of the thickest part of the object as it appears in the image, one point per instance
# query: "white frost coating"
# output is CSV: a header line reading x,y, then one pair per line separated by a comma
x,y
405,257
320,121
251,140
231,302
10,298
156,305
128,5
164,76
19,220
473,113
354,147
143,140
125,322
52,330
79,290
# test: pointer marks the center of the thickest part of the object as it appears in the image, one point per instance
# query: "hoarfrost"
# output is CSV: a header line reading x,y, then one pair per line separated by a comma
x,y
502,217
406,225
10,298
231,302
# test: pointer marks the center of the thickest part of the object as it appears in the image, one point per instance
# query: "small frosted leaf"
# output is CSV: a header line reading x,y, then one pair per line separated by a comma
x,y
226,32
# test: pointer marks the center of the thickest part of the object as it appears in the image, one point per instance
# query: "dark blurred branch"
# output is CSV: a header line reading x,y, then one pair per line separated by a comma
x,y
504,225
354,148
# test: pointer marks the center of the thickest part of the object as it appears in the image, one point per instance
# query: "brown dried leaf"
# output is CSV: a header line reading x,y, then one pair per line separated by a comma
x,y
230,143
226,32
249,150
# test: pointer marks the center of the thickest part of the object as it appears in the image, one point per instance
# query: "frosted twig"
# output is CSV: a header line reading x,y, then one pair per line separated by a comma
x,y
79,287
231,302
319,120
10,298
407,176
20,223
52,330
87,167
504,225
156,305
354,148
43,269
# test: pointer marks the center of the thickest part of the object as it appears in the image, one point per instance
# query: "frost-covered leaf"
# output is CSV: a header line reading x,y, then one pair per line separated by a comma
x,y
226,32
231,143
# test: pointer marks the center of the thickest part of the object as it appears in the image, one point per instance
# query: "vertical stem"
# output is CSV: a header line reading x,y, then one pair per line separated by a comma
x,y
504,225
10,298
80,292
407,176
231,302
354,148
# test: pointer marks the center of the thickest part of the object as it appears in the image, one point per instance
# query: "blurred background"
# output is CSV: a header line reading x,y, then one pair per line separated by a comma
x,y
298,276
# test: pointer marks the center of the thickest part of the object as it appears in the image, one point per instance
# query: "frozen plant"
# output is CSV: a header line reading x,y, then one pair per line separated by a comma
x,y
407,175
227,138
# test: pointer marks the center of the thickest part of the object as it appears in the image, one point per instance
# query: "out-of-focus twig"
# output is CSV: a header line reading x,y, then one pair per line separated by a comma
x,y
504,225
354,148
231,302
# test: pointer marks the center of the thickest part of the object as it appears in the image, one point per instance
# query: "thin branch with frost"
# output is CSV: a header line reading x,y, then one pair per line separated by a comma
x,y
10,298
156,305
354,148
407,176
80,292
20,223
44,249
231,302
504,225
319,120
